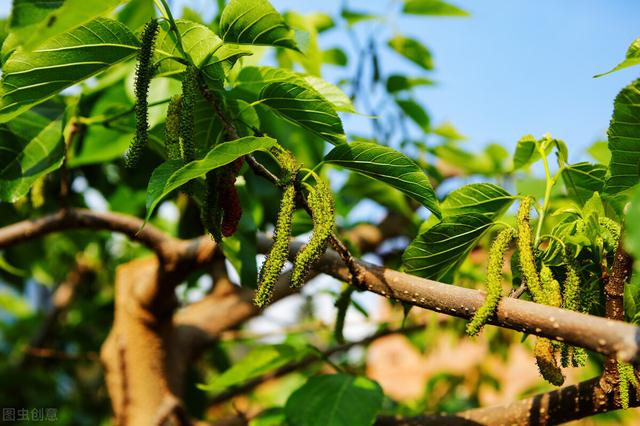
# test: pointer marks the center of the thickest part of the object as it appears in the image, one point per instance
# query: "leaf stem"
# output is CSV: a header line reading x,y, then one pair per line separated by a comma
x,y
550,181
166,12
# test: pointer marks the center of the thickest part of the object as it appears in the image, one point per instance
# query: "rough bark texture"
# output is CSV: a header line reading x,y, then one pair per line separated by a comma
x,y
556,407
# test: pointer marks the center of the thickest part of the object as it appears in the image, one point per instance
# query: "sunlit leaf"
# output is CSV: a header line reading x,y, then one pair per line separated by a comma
x,y
415,112
172,174
255,22
631,58
413,50
624,140
29,78
434,254
389,166
305,107
478,198
259,361
432,7
21,165
205,48
583,179
398,83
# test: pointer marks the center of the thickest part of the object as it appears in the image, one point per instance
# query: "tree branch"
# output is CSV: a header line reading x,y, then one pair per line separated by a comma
x,y
587,331
562,405
66,219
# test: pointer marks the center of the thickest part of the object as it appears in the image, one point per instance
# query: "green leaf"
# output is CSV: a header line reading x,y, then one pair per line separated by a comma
x,y
435,253
254,79
255,22
259,361
389,166
526,152
30,78
599,151
397,83
353,17
632,226
304,107
631,58
331,93
432,7
205,48
26,13
69,16
415,111
21,165
484,199
632,298
624,140
172,174
413,50
136,13
336,400
335,56
583,179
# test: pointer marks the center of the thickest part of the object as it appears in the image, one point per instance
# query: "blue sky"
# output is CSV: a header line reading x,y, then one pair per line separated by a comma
x,y
513,67
520,66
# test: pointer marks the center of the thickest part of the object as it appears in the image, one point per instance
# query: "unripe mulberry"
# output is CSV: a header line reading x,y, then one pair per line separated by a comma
x,y
322,208
527,258
279,252
494,281
144,72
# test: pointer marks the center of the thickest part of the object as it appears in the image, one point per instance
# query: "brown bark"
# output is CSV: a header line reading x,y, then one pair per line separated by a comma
x,y
559,406
614,309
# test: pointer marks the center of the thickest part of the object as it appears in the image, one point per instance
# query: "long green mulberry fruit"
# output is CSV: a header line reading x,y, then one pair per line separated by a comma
x,y
144,71
323,215
494,281
172,128
277,256
525,246
547,363
187,116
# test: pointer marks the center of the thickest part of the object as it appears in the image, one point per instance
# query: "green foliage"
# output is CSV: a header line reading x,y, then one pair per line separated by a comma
x,y
413,50
304,107
335,399
388,166
240,133
632,58
255,22
624,141
30,78
172,174
69,14
22,164
432,7
259,361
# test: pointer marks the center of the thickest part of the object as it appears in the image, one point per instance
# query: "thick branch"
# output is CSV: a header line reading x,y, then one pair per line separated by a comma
x,y
67,219
551,408
587,331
